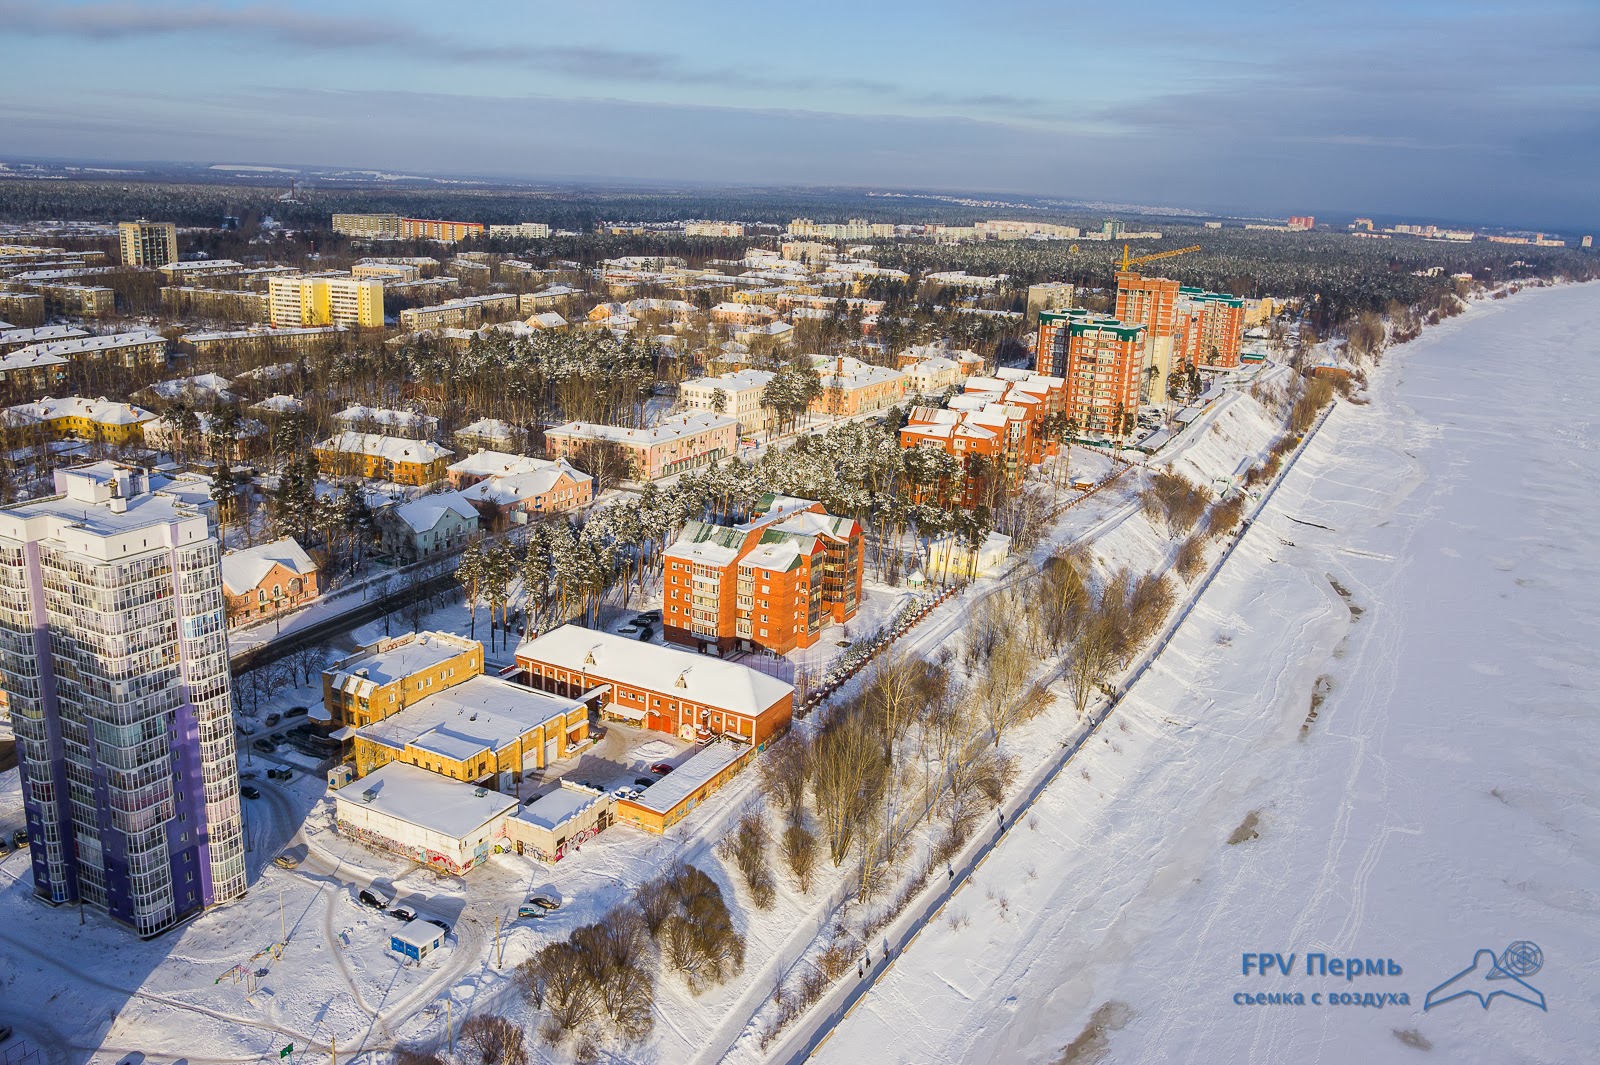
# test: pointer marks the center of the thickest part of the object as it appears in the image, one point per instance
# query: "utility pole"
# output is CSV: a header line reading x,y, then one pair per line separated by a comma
x,y
283,934
449,1028
499,952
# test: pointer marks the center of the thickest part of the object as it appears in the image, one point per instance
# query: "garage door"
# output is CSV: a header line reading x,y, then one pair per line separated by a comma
x,y
551,751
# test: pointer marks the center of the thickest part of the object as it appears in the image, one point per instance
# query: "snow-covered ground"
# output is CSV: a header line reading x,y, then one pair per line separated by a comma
x,y
1375,737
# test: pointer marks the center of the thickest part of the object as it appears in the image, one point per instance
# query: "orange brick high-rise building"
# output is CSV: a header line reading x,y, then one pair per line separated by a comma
x,y
773,582
1102,361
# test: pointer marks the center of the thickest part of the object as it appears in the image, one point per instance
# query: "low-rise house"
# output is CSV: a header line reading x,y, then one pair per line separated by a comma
x,y
384,458
533,486
481,730
267,579
437,822
437,524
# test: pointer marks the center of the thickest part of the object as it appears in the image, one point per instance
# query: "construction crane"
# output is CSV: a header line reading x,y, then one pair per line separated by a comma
x,y
1141,260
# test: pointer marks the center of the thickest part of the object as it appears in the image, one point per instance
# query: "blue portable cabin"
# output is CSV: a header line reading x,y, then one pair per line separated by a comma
x,y
417,939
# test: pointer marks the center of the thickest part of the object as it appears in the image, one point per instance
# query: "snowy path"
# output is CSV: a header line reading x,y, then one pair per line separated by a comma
x,y
1442,799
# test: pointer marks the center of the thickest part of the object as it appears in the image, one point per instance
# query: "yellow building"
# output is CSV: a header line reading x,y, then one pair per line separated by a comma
x,y
388,676
325,299
422,699
148,243
483,731
76,418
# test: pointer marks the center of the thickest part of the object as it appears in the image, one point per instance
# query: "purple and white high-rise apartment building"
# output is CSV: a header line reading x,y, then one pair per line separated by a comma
x,y
114,657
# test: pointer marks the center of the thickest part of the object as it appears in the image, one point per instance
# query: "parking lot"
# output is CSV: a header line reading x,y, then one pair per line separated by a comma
x,y
618,759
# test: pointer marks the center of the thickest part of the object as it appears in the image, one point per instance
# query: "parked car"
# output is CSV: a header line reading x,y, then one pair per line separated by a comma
x,y
286,861
441,924
280,774
19,838
246,728
591,784
4,848
295,711
250,791
544,902
375,898
265,746
249,774
661,767
646,633
629,629
404,913
272,719
526,910
5,1032
277,737
643,782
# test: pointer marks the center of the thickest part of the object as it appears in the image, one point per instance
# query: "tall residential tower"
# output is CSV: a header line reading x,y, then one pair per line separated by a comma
x,y
114,656
148,243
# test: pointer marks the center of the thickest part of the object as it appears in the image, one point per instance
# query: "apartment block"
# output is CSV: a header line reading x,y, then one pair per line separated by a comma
x,y
25,309
1104,373
673,445
114,659
468,312
137,348
740,395
850,386
78,301
147,243
774,581
436,229
1209,328
384,458
367,225
325,299
233,305
521,230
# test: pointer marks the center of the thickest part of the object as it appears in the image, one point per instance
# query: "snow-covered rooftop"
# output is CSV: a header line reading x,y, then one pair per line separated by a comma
x,y
427,800
244,570
684,674
685,780
477,716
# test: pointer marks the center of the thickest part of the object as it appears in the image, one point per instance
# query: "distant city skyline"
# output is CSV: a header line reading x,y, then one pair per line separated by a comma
x,y
1478,111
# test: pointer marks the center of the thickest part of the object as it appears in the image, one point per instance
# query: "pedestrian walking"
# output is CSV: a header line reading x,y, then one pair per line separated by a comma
x,y
859,973
950,870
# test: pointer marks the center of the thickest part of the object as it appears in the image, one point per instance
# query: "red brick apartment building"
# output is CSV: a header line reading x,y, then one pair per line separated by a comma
x,y
773,582
1102,361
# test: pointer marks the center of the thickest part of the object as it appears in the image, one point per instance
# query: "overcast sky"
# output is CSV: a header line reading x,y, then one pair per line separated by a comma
x,y
1473,110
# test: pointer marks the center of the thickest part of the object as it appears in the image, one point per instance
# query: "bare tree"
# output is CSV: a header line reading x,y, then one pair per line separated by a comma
x,y
493,1040
747,847
785,772
848,777
800,852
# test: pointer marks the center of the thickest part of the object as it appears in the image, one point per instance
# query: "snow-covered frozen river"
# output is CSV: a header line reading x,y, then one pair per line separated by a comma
x,y
1428,580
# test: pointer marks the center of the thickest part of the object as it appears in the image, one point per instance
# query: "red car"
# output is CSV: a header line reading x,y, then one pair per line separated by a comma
x,y
662,768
